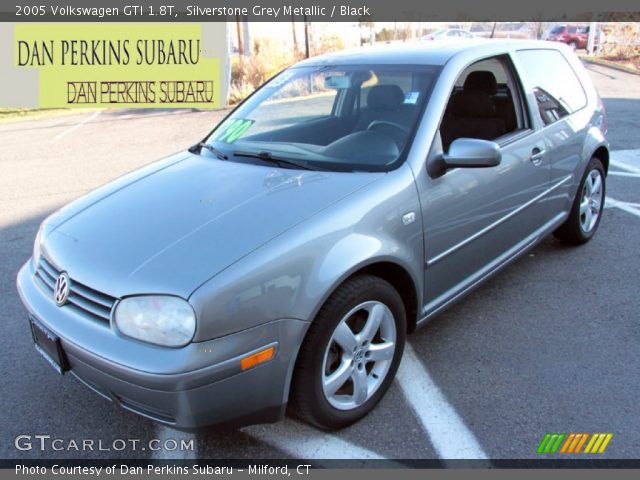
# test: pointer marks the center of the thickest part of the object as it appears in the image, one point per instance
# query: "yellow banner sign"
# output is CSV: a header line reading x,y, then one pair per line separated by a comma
x,y
121,65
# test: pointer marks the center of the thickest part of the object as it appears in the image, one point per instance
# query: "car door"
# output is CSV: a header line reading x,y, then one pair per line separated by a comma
x,y
558,102
477,218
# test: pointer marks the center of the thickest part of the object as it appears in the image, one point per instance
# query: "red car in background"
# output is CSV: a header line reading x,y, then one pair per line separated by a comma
x,y
573,35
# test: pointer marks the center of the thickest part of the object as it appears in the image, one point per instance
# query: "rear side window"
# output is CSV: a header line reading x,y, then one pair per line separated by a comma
x,y
558,91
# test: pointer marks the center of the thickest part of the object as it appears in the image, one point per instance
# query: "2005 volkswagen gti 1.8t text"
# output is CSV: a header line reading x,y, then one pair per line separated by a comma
x,y
282,260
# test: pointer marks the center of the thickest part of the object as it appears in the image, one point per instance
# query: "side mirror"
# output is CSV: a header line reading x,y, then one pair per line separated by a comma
x,y
472,153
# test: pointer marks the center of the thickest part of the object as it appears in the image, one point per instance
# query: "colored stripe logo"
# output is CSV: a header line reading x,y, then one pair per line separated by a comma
x,y
596,443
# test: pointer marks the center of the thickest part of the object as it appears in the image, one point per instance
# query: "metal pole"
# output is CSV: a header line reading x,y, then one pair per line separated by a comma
x,y
247,36
591,41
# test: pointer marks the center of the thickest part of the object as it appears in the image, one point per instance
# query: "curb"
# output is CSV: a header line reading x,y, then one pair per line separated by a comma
x,y
612,65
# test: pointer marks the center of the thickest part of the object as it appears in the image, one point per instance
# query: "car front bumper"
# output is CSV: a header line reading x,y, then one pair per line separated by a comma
x,y
187,388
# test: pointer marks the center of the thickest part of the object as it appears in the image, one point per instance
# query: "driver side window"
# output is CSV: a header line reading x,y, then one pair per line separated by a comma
x,y
482,104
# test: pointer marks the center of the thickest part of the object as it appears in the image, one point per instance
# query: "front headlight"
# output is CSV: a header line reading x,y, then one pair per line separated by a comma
x,y
37,246
159,319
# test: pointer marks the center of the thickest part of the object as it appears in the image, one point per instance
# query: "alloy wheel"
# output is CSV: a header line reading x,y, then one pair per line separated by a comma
x,y
359,355
591,201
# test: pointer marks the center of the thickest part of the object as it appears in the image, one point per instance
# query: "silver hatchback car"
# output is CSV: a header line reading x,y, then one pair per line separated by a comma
x,y
282,260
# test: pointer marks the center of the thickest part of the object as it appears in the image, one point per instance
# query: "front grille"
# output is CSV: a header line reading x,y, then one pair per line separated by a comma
x,y
85,300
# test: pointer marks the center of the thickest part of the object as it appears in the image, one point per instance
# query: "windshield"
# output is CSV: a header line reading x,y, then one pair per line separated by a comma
x,y
557,29
357,117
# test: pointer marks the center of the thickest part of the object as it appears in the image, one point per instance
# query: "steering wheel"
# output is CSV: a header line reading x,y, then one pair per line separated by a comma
x,y
379,123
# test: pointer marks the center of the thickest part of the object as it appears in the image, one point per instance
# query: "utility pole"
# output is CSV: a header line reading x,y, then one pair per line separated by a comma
x,y
306,37
246,36
295,38
239,34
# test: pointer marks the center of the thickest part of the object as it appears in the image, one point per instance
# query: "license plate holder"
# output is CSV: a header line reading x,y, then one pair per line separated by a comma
x,y
48,345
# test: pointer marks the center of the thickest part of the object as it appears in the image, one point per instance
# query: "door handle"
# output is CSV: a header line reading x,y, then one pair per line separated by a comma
x,y
536,155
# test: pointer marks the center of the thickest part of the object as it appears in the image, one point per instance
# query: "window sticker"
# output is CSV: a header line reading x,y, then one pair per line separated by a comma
x,y
234,130
411,98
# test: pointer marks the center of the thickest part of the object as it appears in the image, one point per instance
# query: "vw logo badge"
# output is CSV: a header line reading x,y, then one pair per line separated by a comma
x,y
61,290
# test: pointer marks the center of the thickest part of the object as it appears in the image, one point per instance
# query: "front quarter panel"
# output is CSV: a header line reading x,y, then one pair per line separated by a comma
x,y
292,276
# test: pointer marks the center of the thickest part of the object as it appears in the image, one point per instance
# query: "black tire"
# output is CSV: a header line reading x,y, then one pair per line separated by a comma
x,y
307,400
572,231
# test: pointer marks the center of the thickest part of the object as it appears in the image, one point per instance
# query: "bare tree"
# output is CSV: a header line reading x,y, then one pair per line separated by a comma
x,y
539,29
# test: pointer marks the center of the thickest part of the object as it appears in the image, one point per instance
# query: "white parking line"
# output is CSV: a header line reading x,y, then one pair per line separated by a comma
x,y
624,166
628,160
628,207
77,125
292,437
448,434
305,442
63,119
446,430
624,174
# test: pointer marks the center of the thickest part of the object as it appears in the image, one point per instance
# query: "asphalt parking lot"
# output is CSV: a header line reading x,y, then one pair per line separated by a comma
x,y
549,345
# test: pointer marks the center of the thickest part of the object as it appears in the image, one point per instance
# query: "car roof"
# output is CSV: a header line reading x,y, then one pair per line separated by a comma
x,y
427,53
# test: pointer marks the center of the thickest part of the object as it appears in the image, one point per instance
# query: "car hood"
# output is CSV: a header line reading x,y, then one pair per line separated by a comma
x,y
172,226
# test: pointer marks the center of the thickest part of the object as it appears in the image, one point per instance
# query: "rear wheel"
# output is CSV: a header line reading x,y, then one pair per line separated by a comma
x,y
586,212
350,354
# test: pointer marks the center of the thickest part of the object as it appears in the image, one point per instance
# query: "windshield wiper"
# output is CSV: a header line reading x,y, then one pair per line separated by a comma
x,y
199,146
268,157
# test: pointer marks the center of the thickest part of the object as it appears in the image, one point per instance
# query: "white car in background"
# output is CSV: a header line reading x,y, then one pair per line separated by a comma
x,y
449,34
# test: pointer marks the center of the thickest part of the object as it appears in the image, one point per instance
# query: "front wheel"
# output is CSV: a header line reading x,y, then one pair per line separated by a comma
x,y
586,212
350,355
